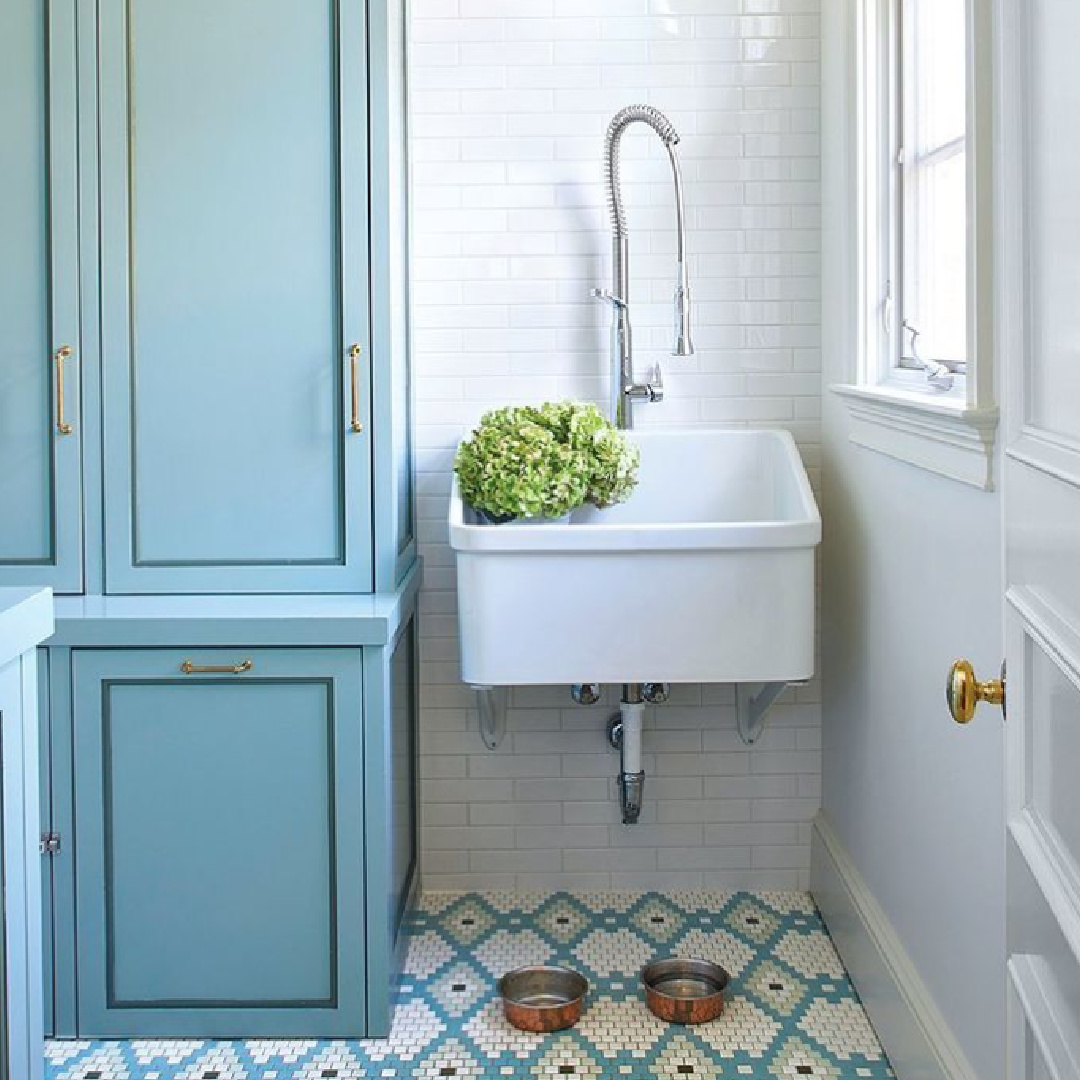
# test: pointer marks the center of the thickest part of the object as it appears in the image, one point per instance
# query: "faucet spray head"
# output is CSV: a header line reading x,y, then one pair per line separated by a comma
x,y
684,345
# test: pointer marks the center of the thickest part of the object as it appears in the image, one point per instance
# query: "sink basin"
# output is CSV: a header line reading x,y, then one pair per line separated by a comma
x,y
706,574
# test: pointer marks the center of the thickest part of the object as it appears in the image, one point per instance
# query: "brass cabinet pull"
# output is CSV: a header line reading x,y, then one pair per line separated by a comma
x,y
354,376
188,668
61,354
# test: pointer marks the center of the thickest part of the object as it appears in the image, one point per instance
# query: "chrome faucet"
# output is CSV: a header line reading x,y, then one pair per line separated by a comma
x,y
624,391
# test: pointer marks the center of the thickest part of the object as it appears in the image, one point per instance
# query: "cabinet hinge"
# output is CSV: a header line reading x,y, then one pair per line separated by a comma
x,y
50,843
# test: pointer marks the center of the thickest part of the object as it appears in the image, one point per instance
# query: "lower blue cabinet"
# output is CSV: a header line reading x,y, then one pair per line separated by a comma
x,y
22,1053
219,809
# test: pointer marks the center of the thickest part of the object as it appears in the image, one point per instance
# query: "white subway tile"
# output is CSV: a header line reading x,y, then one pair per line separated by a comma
x,y
510,102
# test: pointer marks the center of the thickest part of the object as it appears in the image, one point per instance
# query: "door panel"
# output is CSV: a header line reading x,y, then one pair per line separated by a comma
x,y
404,839
219,817
1052,699
234,282
40,468
21,1001
1054,217
10,716
1038,259
1044,984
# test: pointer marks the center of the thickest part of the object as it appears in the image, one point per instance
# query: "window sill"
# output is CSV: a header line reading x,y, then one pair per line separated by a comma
x,y
939,433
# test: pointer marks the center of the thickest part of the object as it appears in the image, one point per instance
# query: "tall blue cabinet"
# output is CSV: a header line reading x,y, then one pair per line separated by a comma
x,y
205,440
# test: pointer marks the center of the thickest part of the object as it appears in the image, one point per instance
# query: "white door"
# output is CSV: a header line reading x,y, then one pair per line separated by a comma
x,y
1038,300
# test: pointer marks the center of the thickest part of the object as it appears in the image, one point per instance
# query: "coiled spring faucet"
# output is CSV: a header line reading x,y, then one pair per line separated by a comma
x,y
624,391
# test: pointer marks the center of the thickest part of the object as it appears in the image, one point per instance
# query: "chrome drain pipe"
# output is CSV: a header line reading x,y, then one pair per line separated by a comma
x,y
624,733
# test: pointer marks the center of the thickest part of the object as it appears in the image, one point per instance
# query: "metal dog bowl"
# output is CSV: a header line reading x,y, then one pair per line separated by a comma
x,y
542,999
685,991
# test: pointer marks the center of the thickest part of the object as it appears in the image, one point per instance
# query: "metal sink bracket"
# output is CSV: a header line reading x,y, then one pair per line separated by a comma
x,y
752,708
491,703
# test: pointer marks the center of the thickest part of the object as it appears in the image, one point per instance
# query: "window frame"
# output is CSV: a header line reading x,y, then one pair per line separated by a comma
x,y
886,137
893,408
904,164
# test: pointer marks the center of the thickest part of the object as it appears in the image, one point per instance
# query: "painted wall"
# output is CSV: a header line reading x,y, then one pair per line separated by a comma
x,y
510,104
911,581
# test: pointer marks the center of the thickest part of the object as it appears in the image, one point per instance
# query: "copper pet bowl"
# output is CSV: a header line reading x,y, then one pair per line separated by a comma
x,y
542,999
685,991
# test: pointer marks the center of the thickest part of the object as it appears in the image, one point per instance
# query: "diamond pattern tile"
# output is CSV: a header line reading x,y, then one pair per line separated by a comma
x,y
791,1011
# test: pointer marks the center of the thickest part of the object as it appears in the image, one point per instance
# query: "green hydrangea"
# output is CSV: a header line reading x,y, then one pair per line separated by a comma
x,y
544,461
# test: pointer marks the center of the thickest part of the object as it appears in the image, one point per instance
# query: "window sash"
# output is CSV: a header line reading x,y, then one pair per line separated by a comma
x,y
915,160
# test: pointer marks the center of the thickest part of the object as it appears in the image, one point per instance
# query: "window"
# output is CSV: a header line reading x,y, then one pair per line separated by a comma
x,y
929,208
913,157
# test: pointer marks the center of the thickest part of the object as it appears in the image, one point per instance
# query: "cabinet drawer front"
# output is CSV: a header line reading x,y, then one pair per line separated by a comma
x,y
40,529
219,830
234,284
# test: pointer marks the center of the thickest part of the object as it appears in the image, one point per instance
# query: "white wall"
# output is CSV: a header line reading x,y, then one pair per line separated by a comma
x,y
510,102
911,581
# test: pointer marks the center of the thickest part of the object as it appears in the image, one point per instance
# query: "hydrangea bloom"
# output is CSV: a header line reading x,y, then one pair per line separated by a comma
x,y
544,461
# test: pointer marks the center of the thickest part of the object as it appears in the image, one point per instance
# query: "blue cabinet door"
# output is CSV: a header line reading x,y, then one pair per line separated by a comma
x,y
235,295
40,449
220,840
22,1050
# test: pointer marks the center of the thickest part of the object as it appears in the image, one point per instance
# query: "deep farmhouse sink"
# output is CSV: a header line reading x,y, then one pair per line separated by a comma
x,y
705,575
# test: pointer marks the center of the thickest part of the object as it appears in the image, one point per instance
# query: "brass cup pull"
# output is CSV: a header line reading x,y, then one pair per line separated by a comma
x,y
354,383
188,668
963,691
61,354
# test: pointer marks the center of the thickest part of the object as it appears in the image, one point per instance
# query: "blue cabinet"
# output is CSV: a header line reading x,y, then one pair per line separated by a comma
x,y
219,805
25,619
21,1026
204,256
235,296
40,446
234,789
205,441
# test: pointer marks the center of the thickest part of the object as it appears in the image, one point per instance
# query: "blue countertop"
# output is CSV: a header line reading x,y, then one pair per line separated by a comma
x,y
26,620
326,620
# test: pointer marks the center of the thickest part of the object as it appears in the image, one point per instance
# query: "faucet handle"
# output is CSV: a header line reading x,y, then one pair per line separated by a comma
x,y
611,298
656,383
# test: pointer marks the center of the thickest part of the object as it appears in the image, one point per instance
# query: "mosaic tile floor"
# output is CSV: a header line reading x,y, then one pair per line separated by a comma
x,y
792,1013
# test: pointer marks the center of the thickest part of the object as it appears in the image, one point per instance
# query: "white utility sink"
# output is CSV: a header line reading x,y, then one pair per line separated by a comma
x,y
705,575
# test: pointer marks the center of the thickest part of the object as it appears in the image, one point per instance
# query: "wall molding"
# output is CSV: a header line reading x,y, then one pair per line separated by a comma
x,y
954,442
915,1035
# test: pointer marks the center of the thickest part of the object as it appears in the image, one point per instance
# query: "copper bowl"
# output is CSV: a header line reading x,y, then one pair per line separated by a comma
x,y
685,991
542,999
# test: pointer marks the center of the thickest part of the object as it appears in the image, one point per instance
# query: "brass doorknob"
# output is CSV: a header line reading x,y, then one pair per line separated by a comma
x,y
963,691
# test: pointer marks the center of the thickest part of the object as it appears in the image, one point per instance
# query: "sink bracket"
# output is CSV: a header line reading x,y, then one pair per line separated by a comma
x,y
491,702
751,708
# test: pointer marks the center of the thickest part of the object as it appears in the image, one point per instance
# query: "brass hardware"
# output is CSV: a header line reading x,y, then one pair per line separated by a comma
x,y
61,354
963,691
188,668
354,373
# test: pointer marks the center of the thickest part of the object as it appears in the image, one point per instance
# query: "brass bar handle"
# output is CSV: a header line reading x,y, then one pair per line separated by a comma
x,y
354,377
188,668
61,354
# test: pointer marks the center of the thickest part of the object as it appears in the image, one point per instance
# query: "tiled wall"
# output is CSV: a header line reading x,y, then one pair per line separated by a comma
x,y
510,102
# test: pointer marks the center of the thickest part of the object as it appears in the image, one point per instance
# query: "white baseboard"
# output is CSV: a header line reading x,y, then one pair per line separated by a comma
x,y
909,1024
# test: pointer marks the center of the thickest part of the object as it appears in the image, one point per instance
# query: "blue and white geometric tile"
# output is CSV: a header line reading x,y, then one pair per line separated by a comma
x,y
791,1011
